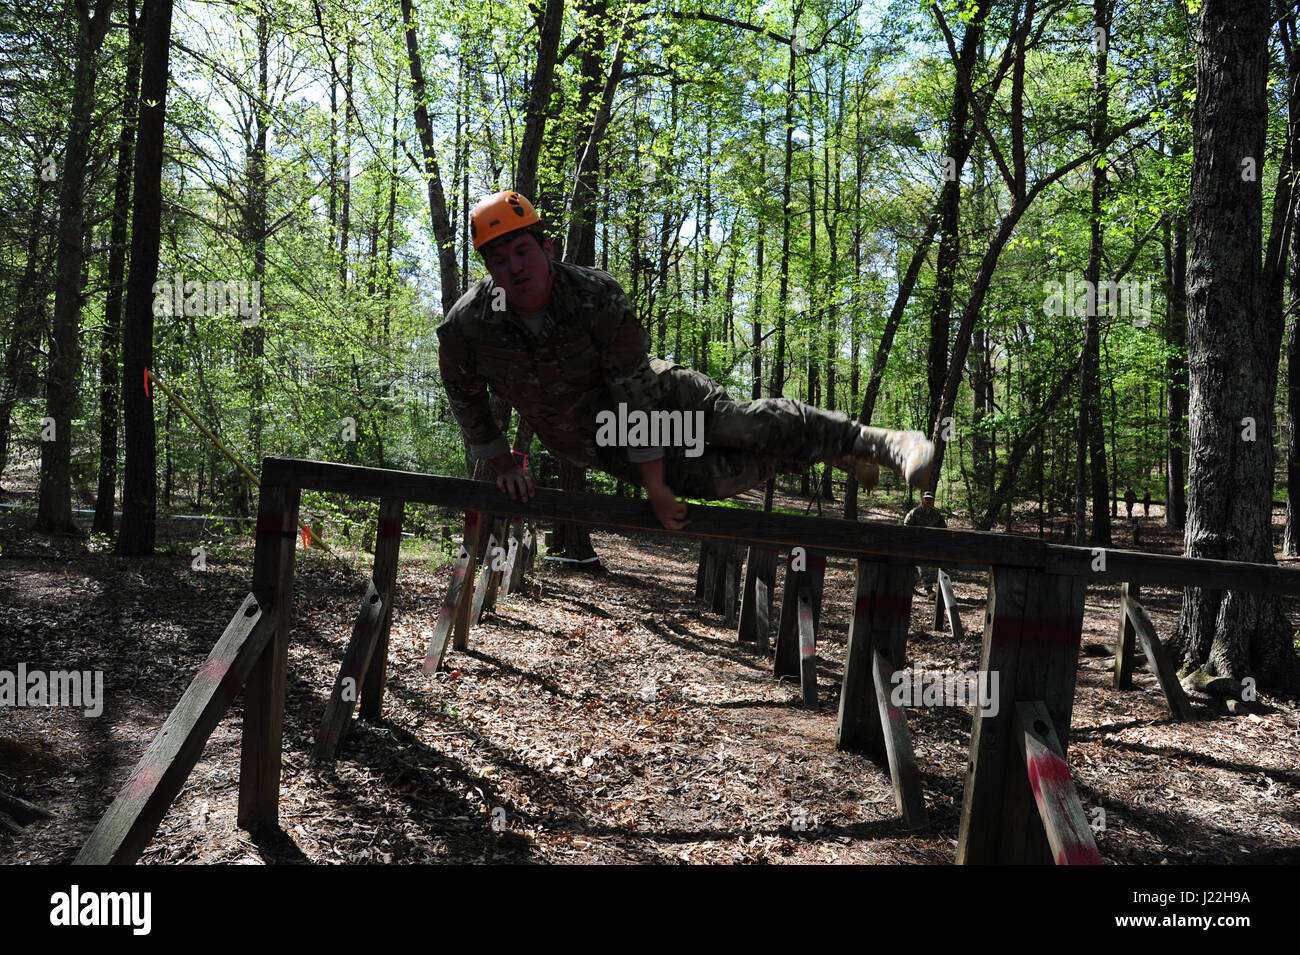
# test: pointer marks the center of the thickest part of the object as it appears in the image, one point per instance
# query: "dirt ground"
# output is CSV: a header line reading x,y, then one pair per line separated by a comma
x,y
595,718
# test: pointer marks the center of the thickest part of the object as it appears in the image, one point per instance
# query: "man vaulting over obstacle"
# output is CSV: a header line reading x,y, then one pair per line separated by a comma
x,y
561,343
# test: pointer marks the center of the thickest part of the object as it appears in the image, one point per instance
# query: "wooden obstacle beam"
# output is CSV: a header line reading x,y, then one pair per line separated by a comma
x,y
1134,620
1031,634
941,546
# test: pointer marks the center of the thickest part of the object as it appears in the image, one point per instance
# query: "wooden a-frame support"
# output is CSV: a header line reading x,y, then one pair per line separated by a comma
x,y
1017,768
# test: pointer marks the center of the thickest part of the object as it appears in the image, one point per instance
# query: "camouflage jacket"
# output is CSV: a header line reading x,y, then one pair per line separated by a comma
x,y
919,517
591,354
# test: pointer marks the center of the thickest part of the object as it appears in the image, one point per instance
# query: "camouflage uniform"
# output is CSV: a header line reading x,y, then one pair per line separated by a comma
x,y
587,353
920,517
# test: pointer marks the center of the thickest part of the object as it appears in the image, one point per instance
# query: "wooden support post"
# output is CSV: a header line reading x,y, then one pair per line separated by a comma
x,y
1158,661
786,661
807,649
473,525
948,599
729,590
1068,833
512,554
447,613
762,610
723,567
523,557
711,551
882,611
132,819
1125,649
356,661
388,543
1031,647
701,569
273,554
760,569
496,557
897,740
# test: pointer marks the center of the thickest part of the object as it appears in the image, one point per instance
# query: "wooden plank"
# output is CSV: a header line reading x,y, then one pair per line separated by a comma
x,y
496,555
523,559
1031,642
882,610
729,595
512,554
1125,648
711,551
785,662
1064,820
134,815
918,545
760,567
433,656
701,569
807,649
259,755
460,628
388,542
1158,661
949,599
722,566
347,685
938,605
481,589
908,796
762,607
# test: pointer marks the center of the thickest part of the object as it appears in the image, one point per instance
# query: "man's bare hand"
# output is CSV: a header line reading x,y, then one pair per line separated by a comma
x,y
518,483
670,511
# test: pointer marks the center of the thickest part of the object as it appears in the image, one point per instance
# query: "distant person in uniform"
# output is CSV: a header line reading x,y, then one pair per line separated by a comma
x,y
1131,499
925,514
1146,503
562,344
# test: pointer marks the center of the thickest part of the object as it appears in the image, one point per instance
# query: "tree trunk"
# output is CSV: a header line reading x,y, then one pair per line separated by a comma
x,y
139,491
1232,354
110,355
1176,379
54,509
449,271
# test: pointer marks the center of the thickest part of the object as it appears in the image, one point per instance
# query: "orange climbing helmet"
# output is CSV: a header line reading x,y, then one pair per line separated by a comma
x,y
499,214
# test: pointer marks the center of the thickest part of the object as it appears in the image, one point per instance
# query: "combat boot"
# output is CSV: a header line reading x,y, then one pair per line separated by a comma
x,y
910,453
867,473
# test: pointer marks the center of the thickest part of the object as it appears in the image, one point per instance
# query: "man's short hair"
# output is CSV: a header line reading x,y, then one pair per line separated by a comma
x,y
537,231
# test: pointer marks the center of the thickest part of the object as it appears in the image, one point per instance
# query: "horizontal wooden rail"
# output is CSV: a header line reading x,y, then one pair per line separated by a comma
x,y
852,538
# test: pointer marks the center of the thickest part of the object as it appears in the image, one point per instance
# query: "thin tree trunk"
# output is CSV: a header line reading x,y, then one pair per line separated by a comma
x,y
54,508
110,355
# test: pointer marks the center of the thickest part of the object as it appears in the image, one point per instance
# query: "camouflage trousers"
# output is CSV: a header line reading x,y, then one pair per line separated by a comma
x,y
745,442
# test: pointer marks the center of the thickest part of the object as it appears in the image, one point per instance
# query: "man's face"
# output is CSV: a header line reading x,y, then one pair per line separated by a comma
x,y
523,269
928,502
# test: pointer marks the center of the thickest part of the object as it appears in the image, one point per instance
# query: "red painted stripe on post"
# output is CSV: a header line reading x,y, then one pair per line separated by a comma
x,y
389,527
268,524
143,783
1049,772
